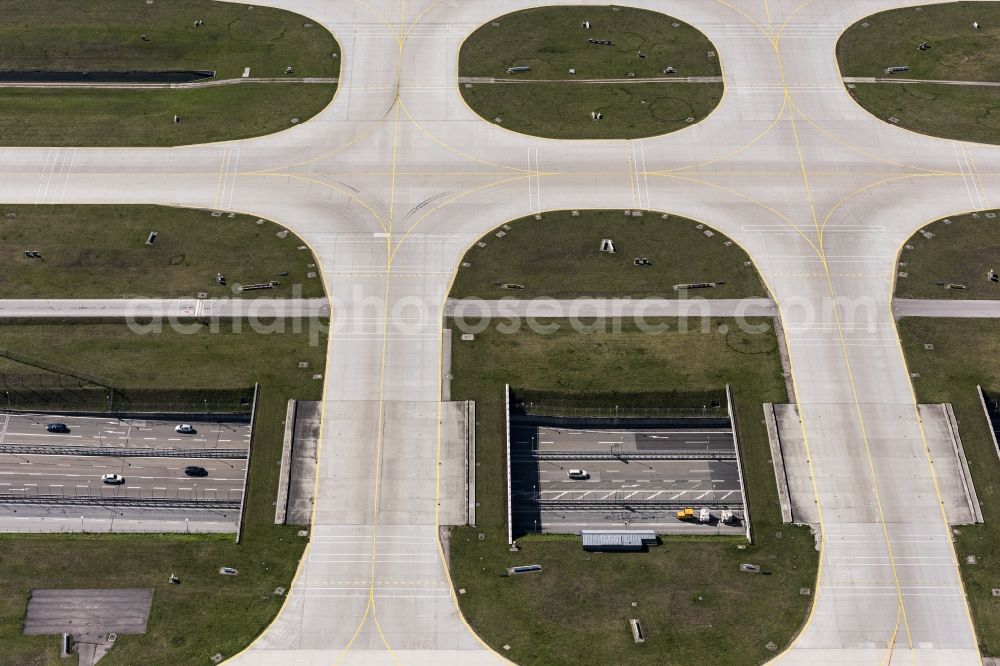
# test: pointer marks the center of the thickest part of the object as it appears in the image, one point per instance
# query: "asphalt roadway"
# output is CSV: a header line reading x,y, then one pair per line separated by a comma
x,y
396,178
638,481
48,518
176,308
80,476
103,432
583,308
547,439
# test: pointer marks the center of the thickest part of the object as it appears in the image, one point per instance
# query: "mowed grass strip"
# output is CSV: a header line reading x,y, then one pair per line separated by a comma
x,y
562,111
966,353
694,605
964,113
958,52
960,252
51,117
206,613
101,252
552,40
57,35
541,254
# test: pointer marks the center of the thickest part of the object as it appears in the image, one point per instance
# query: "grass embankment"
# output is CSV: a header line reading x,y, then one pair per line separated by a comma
x,y
958,52
540,254
966,353
552,40
960,252
206,613
101,252
694,605
55,35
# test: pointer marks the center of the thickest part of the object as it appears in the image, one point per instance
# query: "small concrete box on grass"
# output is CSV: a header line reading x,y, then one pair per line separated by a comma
x,y
608,541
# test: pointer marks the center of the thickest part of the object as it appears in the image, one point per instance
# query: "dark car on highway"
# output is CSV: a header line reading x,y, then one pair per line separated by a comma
x,y
57,427
195,471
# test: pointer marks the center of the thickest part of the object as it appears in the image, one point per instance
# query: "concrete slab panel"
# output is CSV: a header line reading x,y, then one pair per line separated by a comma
x,y
801,497
456,427
950,466
302,473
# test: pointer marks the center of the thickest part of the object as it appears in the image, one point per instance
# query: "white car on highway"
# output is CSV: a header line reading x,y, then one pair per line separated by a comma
x,y
113,479
579,474
185,429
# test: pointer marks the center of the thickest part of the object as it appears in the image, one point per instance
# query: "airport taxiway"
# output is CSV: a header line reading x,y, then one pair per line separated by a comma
x,y
397,178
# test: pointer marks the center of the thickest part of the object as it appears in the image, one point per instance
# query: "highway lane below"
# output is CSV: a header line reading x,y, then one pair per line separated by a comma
x,y
88,431
619,440
618,480
158,477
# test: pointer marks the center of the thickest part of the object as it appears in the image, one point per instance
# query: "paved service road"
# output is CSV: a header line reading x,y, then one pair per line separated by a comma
x,y
143,308
87,431
76,476
919,307
695,307
397,178
612,307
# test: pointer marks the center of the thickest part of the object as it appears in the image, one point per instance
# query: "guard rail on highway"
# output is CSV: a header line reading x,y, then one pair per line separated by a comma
x,y
119,501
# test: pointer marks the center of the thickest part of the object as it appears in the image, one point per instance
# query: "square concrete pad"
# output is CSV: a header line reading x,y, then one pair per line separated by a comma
x,y
951,470
88,611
